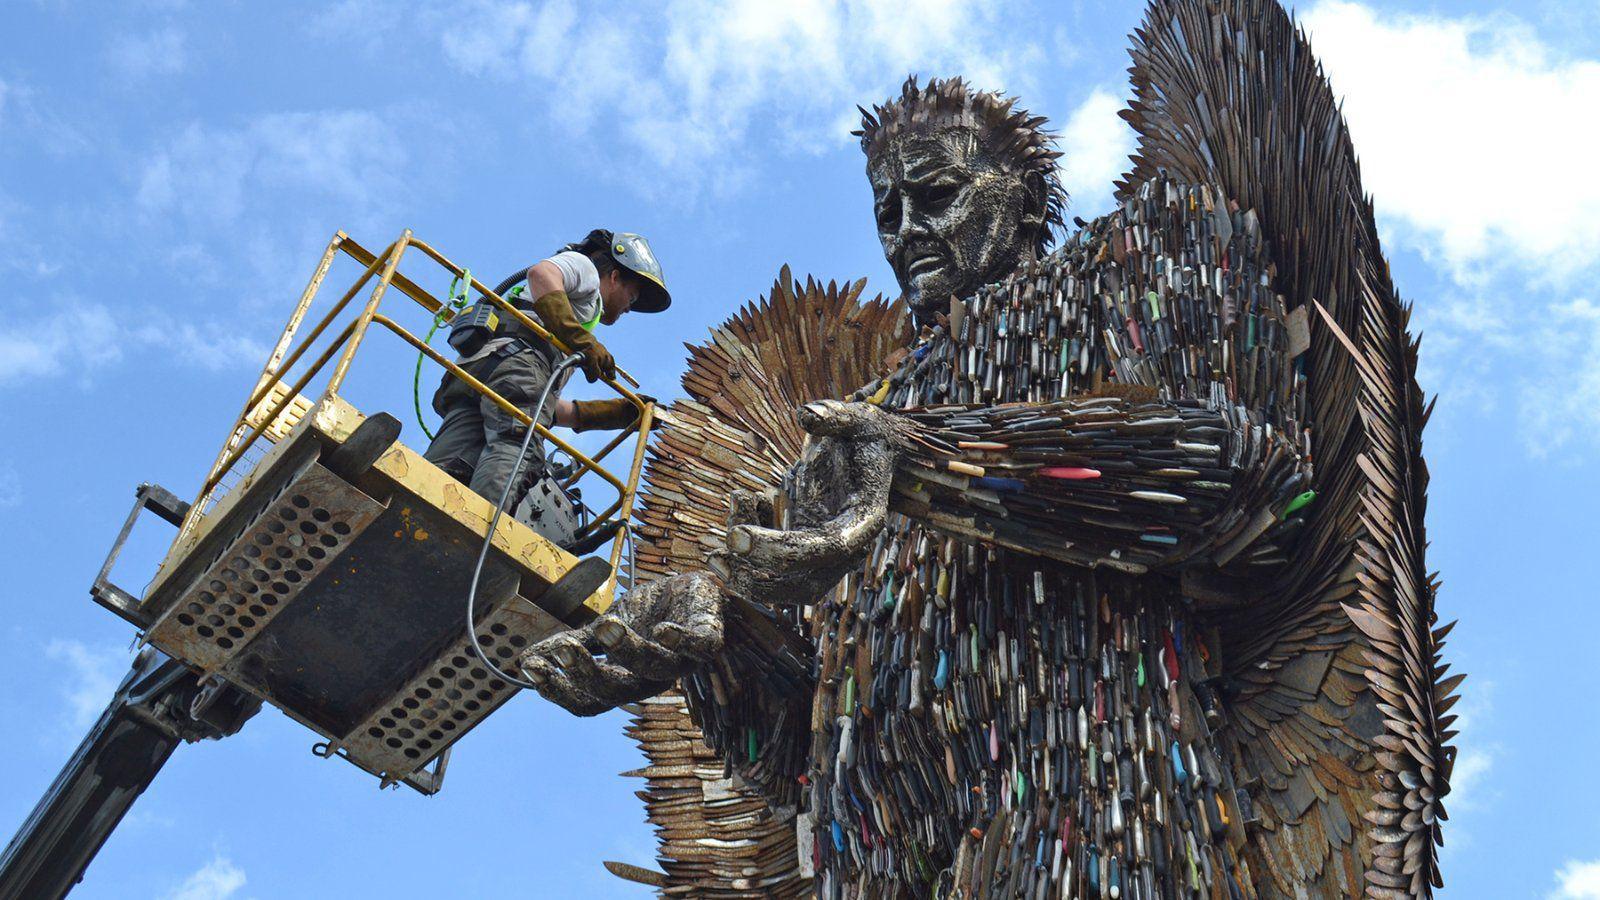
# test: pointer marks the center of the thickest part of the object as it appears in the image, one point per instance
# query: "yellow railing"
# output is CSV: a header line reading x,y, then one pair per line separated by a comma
x,y
272,397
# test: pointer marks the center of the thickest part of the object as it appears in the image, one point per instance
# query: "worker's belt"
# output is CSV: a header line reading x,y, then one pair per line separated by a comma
x,y
507,346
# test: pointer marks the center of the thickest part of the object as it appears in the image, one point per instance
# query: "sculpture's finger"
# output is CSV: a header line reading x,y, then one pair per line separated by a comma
x,y
586,686
567,648
835,542
836,419
748,508
559,687
698,632
637,654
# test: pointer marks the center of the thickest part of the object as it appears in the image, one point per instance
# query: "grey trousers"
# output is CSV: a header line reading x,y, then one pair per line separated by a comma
x,y
478,442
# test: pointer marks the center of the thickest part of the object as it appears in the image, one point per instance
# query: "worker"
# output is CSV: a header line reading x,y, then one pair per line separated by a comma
x,y
594,281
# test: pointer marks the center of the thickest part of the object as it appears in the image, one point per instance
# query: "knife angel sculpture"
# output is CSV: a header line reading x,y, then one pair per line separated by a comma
x,y
1101,577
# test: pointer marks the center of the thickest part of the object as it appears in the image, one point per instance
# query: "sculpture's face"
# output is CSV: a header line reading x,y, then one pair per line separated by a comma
x,y
950,218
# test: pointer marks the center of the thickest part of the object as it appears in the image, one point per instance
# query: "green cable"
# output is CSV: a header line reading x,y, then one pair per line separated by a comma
x,y
456,302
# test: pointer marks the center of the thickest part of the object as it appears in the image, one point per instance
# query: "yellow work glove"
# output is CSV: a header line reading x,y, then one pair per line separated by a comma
x,y
610,415
555,311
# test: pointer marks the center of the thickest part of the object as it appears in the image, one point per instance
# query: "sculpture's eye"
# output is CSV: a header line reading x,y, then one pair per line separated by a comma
x,y
940,195
889,211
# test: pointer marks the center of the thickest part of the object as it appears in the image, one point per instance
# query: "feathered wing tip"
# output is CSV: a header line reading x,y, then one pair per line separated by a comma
x,y
1346,673
1016,137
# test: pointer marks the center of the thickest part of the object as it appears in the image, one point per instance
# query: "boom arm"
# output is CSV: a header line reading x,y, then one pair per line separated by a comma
x,y
145,721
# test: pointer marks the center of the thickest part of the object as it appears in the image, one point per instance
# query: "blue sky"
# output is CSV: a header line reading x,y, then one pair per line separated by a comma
x,y
170,171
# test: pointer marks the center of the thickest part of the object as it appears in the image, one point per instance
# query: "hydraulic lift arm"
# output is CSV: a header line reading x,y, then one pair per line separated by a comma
x,y
160,703
146,720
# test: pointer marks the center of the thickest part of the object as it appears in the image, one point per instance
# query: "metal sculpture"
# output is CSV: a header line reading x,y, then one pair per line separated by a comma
x,y
1060,605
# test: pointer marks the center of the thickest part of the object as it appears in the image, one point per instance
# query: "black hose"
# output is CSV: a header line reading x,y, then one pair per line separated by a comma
x,y
511,281
499,508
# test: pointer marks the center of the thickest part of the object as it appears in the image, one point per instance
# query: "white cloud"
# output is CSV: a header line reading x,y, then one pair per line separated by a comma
x,y
80,339
1472,133
207,345
22,114
1477,753
364,25
694,84
1472,791
1578,881
218,879
350,159
139,56
1096,142
1557,391
24,254
237,210
76,339
94,675
1471,130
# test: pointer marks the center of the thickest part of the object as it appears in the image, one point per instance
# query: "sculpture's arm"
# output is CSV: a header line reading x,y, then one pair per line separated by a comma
x,y
1106,482
744,662
1102,482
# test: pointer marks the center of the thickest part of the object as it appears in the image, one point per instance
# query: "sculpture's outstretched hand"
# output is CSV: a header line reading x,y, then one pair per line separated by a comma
x,y
662,631
840,504
653,636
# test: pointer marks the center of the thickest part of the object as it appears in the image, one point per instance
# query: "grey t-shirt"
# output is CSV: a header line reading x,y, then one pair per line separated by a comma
x,y
581,280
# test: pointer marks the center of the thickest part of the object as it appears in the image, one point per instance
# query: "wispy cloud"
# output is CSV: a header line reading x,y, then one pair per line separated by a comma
x,y
1474,167
1556,407
209,346
1096,142
77,338
1472,792
1577,881
92,675
22,114
218,879
1477,751
1479,192
239,207
136,57
695,88
24,255
218,176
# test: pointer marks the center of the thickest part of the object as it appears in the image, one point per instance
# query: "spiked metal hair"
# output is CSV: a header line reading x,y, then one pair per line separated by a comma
x,y
1015,137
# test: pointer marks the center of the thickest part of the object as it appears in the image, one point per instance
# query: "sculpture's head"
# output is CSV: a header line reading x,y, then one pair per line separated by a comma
x,y
964,186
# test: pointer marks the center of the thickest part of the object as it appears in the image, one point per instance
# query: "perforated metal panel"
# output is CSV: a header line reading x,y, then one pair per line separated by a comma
x,y
322,604
449,697
290,543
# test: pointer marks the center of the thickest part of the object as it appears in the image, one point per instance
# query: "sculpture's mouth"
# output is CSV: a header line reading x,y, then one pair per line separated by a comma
x,y
924,261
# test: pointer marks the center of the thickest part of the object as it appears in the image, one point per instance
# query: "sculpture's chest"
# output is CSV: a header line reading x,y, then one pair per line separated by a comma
x,y
1170,296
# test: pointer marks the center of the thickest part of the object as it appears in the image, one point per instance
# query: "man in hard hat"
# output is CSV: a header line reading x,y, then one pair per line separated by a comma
x,y
592,282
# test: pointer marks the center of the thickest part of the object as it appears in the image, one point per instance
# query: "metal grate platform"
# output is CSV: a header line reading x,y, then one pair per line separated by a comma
x,y
290,544
341,600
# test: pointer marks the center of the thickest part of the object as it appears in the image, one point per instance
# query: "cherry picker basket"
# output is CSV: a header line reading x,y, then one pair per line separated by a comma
x,y
324,565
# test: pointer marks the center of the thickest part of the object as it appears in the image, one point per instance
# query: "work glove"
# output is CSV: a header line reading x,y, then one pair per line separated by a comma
x,y
555,311
610,415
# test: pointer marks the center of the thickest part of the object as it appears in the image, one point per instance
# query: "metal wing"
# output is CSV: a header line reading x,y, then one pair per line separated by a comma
x,y
737,430
1343,713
